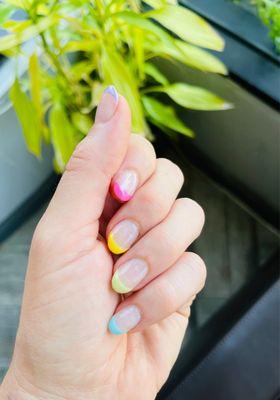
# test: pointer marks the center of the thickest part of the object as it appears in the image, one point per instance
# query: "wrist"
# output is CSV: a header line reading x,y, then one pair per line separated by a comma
x,y
13,389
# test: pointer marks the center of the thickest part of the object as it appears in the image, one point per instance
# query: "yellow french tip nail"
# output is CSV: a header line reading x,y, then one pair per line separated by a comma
x,y
117,284
113,246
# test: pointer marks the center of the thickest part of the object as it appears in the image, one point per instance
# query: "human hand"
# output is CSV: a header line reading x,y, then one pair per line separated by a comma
x,y
68,346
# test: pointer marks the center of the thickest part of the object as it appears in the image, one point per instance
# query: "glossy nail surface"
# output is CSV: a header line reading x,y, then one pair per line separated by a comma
x,y
124,320
122,236
124,185
107,105
129,275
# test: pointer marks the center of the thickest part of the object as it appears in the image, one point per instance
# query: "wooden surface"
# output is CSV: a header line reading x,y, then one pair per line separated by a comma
x,y
233,245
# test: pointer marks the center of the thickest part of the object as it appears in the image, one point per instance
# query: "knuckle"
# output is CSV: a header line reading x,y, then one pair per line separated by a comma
x,y
198,266
167,241
151,202
167,296
42,238
174,169
80,157
144,143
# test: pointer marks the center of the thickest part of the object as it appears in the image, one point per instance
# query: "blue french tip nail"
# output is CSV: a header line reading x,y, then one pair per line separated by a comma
x,y
113,327
112,91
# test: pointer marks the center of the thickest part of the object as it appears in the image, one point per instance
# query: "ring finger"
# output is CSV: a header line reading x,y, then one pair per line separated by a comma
x,y
149,206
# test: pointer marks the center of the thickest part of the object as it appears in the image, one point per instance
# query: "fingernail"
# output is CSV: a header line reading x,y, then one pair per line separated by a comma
x,y
129,275
107,105
124,185
124,320
122,236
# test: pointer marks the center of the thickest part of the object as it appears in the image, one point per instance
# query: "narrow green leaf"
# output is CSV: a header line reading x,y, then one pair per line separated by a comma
x,y
62,135
155,3
16,26
139,21
5,12
36,93
28,118
24,4
34,78
187,54
81,69
200,59
117,72
194,97
165,115
188,26
139,51
80,45
15,39
82,122
151,70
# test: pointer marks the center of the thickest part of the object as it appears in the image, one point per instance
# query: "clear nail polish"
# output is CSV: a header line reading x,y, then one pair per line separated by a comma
x,y
122,236
124,185
124,320
129,275
108,105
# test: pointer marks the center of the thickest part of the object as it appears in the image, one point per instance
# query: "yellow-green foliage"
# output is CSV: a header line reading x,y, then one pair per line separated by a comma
x,y
269,11
81,46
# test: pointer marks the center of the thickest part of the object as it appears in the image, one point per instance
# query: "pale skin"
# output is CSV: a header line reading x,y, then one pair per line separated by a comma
x,y
64,349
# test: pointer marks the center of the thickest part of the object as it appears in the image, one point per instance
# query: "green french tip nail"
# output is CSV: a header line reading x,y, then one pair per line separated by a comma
x,y
117,284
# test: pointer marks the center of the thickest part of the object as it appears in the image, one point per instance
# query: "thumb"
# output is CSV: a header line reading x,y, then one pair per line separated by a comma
x,y
80,195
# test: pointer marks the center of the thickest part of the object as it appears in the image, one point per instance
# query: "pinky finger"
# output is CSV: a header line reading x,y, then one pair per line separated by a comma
x,y
165,295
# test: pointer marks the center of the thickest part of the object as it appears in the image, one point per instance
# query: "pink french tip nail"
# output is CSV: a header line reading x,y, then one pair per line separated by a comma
x,y
119,193
124,185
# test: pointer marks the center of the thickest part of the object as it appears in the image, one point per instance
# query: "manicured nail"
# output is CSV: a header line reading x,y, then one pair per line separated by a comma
x,y
124,185
107,105
129,275
124,320
122,236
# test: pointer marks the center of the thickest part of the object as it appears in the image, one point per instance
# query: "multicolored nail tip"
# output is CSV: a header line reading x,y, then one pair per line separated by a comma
x,y
113,246
118,286
113,92
119,193
113,327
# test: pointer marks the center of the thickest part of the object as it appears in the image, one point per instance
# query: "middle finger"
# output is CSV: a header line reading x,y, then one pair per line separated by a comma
x,y
149,206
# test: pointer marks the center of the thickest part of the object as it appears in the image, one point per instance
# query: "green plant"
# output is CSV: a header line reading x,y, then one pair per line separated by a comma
x,y
84,45
269,12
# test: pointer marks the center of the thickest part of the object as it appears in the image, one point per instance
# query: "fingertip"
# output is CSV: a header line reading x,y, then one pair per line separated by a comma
x,y
117,284
113,246
113,327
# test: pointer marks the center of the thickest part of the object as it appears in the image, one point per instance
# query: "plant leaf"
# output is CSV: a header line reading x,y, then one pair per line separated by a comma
x,y
79,45
5,11
139,21
188,26
200,59
15,39
165,115
28,118
82,122
117,72
36,94
151,70
24,4
194,97
188,54
62,135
